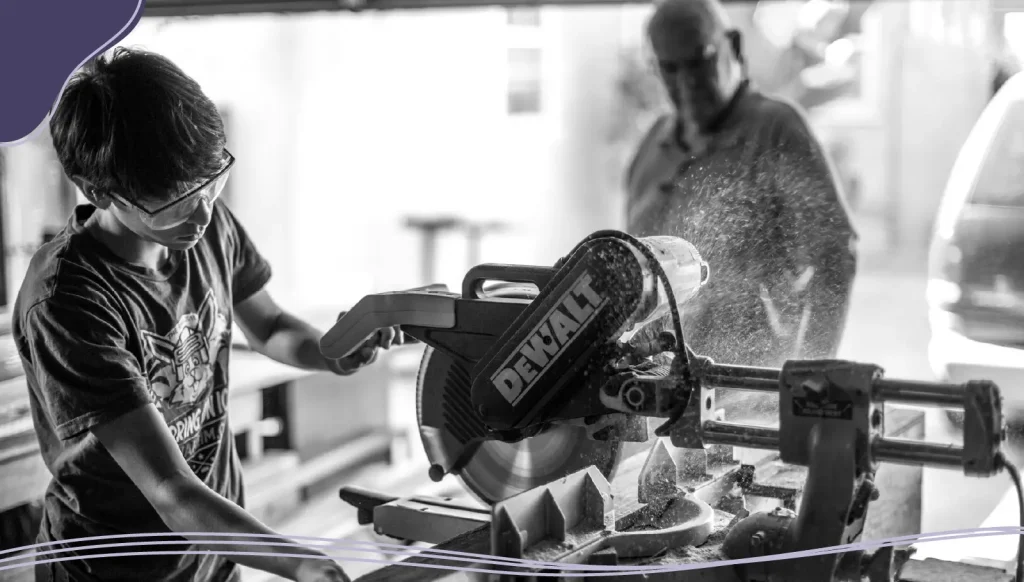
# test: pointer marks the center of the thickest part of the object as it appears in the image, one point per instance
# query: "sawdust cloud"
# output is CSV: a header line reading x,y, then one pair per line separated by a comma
x,y
758,218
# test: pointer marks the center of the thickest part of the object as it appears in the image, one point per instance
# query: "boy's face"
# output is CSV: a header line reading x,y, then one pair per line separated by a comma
x,y
179,238
176,221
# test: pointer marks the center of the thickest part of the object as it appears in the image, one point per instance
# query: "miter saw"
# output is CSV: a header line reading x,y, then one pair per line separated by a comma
x,y
535,381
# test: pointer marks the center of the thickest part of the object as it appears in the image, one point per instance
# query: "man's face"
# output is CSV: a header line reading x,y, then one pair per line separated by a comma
x,y
696,66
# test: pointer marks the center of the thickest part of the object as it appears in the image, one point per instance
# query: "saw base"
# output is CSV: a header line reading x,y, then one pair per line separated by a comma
x,y
720,487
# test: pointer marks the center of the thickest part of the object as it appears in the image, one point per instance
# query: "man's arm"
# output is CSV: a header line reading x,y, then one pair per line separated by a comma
x,y
143,447
819,233
283,337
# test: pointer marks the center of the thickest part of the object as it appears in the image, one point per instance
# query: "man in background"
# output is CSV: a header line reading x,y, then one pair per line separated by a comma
x,y
741,175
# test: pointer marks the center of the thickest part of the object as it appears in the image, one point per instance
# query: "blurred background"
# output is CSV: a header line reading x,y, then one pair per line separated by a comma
x,y
387,149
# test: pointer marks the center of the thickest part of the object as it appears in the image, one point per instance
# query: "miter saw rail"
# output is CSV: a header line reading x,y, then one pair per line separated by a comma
x,y
550,356
980,400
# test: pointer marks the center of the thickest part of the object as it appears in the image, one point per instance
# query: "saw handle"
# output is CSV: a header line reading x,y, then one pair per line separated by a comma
x,y
472,284
425,307
364,500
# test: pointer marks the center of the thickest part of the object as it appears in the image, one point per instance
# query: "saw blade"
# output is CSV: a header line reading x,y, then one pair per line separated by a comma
x,y
499,470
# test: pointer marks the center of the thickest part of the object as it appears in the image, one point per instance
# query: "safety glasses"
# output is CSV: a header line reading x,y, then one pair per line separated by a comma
x,y
706,59
179,210
703,59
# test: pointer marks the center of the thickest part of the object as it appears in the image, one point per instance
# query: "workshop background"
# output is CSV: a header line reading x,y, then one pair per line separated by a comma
x,y
384,150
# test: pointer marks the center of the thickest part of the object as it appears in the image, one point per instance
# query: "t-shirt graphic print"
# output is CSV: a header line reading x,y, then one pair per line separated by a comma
x,y
186,369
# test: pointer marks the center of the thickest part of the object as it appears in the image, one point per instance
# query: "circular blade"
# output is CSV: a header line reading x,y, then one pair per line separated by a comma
x,y
499,470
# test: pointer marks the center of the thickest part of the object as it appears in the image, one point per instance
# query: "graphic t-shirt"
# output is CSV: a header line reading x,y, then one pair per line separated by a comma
x,y
99,337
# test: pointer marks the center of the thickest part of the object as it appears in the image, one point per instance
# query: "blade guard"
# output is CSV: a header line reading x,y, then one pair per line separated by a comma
x,y
588,300
432,306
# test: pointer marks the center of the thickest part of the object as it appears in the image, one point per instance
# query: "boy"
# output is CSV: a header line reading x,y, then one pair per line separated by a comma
x,y
123,324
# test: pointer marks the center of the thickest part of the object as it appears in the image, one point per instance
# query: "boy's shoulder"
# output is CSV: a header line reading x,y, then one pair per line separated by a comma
x,y
72,269
59,268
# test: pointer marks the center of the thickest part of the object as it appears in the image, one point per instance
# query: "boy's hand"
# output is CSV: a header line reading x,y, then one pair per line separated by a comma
x,y
320,571
367,353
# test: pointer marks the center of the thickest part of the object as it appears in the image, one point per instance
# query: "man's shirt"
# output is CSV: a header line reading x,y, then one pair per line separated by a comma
x,y
762,206
100,337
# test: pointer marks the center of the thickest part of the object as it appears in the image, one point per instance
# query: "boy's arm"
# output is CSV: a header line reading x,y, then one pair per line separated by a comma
x,y
91,381
283,337
142,445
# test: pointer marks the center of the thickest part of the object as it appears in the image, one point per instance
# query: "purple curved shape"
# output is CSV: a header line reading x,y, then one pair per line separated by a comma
x,y
21,561
44,43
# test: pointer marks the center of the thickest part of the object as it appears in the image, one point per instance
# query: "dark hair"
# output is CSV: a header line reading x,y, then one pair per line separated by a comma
x,y
137,125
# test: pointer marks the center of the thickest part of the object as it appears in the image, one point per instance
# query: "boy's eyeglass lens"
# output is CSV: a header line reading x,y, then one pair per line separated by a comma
x,y
179,210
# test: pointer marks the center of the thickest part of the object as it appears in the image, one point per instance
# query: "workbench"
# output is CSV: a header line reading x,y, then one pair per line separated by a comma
x,y
898,492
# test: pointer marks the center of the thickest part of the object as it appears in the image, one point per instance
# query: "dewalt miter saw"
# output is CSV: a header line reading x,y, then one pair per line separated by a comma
x,y
522,381
535,381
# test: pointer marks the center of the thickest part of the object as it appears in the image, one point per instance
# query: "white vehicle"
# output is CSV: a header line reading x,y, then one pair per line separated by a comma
x,y
976,266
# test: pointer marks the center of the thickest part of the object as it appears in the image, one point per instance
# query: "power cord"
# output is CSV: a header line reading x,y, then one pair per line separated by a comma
x,y
1015,476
